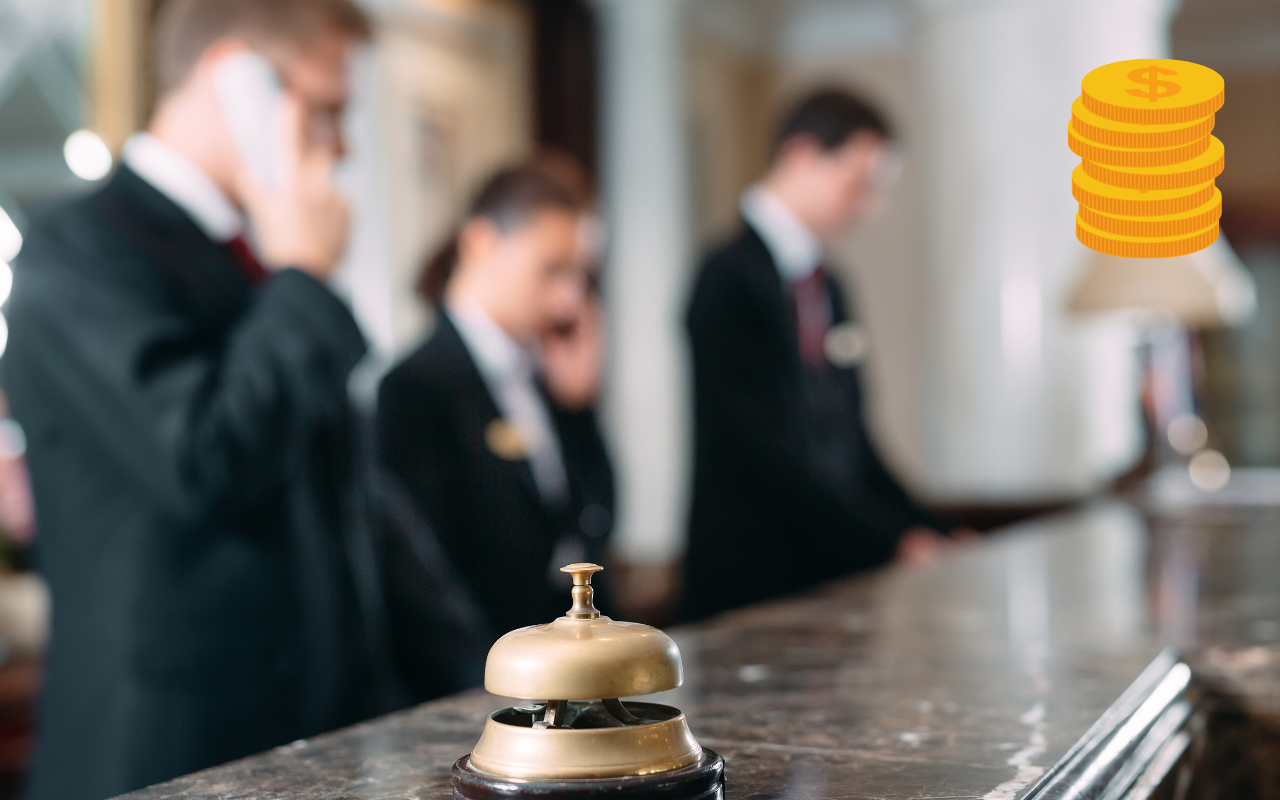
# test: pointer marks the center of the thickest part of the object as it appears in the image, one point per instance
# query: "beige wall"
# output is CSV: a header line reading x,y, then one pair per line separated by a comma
x,y
455,103
1241,40
1248,124
731,116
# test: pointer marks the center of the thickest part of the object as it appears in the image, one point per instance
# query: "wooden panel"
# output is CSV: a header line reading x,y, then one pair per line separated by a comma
x,y
119,81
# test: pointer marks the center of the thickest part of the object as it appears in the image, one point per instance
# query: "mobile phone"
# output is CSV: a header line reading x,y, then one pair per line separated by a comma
x,y
252,99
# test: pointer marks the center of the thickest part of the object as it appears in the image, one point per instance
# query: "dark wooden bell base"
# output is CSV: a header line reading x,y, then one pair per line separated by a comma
x,y
701,781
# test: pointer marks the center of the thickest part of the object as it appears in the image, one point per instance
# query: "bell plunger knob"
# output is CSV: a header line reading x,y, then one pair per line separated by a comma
x,y
583,594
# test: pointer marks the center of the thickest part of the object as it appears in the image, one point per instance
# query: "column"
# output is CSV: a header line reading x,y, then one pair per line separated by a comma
x,y
119,62
645,190
1022,401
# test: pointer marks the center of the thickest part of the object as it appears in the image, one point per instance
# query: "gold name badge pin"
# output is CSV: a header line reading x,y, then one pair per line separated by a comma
x,y
504,441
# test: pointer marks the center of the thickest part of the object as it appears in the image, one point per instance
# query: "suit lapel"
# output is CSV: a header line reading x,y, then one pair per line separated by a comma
x,y
766,283
475,392
202,274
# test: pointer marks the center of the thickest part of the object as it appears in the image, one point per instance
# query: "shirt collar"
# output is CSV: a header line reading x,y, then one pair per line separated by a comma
x,y
795,250
179,179
497,355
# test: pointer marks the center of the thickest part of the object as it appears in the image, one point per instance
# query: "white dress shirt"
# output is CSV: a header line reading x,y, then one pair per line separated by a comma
x,y
795,250
179,179
797,253
508,371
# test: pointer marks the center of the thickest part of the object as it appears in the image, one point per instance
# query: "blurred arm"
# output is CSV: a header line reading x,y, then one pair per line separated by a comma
x,y
900,509
209,423
894,510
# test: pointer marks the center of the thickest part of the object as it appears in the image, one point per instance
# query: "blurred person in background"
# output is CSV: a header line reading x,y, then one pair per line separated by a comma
x,y
788,488
184,397
490,424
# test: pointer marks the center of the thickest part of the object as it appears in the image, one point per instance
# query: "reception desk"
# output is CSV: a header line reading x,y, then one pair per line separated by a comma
x,y
973,678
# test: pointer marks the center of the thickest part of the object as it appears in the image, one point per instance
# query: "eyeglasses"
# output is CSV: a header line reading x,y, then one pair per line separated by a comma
x,y
885,169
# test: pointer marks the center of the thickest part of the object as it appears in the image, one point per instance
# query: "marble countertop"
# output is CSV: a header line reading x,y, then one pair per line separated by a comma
x,y
962,680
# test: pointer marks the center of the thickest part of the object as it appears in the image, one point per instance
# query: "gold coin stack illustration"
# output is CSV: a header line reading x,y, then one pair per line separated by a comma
x,y
1145,183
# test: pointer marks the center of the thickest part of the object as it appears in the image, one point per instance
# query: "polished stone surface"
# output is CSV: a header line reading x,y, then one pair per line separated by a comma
x,y
962,680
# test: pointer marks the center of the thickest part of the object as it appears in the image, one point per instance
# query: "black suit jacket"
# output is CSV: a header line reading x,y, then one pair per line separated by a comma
x,y
433,413
768,517
188,446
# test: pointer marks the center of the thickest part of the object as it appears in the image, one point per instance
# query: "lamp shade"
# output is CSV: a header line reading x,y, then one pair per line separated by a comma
x,y
1206,289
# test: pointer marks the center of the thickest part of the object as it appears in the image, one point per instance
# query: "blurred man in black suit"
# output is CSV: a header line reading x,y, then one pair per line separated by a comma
x,y
184,394
788,489
490,423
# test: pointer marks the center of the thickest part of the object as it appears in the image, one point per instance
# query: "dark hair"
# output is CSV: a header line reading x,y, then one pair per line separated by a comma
x,y
567,171
831,117
508,200
184,29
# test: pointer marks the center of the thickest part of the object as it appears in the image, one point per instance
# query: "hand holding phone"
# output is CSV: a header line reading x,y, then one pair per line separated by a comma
x,y
573,357
252,97
284,181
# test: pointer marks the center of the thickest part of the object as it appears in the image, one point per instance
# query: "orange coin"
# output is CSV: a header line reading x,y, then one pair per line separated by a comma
x,y
1129,156
1181,224
1124,202
1204,167
1125,134
1144,247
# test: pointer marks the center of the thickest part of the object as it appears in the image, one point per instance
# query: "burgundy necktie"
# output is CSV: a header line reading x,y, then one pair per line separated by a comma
x,y
811,309
247,261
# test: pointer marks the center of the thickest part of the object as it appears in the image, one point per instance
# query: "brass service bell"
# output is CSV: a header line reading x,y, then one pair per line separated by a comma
x,y
576,735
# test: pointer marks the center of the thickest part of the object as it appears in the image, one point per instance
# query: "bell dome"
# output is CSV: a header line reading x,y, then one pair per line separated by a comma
x,y
583,655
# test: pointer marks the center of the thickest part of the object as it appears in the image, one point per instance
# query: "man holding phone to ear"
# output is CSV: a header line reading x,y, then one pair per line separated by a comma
x,y
180,368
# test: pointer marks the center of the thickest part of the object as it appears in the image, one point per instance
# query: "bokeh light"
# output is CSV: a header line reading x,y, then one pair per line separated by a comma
x,y
1188,434
10,238
87,155
1209,470
6,280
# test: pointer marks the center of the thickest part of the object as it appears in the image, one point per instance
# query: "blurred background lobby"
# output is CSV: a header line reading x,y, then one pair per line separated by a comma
x,y
1010,371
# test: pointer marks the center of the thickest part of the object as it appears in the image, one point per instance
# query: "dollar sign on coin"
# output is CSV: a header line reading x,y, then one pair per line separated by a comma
x,y
1138,92
1151,77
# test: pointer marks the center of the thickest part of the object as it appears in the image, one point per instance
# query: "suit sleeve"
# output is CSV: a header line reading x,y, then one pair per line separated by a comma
x,y
739,392
211,420
894,509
